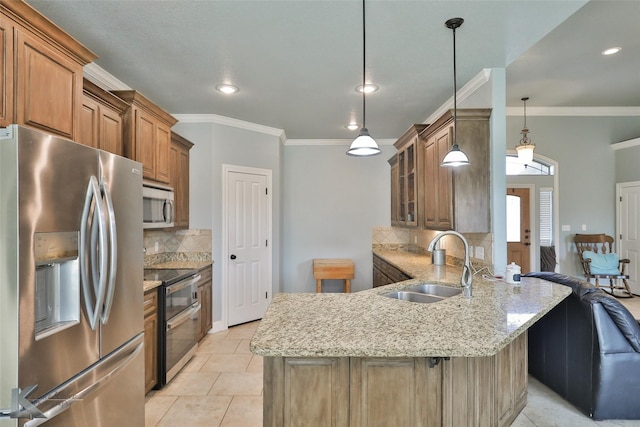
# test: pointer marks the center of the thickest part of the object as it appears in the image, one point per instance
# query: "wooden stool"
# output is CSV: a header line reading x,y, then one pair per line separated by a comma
x,y
333,269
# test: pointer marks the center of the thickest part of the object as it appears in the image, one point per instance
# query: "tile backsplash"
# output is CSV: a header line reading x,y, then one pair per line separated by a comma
x,y
180,243
414,240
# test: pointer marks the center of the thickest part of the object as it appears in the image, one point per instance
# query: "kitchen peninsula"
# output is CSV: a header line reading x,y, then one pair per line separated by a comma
x,y
363,359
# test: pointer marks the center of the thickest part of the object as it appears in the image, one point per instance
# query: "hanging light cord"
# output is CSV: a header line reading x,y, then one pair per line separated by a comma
x,y
364,65
455,90
525,131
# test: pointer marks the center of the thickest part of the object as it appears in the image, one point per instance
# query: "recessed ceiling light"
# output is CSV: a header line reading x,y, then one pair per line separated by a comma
x,y
611,51
352,126
227,89
368,88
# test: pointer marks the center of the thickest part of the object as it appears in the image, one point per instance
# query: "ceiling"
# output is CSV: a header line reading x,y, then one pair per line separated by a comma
x,y
297,62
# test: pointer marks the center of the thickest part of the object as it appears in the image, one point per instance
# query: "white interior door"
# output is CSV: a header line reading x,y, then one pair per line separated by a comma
x,y
248,218
628,238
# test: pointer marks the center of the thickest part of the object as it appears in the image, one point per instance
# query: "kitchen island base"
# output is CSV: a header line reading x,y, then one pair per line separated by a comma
x,y
412,392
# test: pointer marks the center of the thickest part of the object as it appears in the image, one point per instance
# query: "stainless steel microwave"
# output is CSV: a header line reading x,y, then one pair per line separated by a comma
x,y
157,205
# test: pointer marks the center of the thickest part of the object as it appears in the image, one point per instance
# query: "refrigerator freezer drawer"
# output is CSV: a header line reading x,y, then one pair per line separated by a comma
x,y
74,403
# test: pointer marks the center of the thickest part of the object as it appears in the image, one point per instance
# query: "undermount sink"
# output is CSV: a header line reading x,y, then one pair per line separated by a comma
x,y
433,289
424,293
413,297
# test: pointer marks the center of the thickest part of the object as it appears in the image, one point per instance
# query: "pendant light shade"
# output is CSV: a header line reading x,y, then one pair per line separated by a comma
x,y
363,145
455,156
525,148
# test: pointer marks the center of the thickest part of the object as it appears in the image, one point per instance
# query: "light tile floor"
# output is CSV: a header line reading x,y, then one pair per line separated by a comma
x,y
222,387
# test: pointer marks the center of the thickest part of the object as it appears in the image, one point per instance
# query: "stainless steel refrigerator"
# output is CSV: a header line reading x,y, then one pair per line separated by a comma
x,y
71,267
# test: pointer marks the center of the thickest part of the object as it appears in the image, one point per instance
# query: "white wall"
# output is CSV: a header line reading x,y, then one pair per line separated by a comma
x,y
216,144
586,172
331,204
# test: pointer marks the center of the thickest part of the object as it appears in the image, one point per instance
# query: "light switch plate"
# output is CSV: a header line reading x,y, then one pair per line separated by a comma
x,y
479,252
584,227
566,227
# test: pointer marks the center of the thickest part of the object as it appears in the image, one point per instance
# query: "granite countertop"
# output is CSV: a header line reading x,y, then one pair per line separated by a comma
x,y
149,285
366,324
167,263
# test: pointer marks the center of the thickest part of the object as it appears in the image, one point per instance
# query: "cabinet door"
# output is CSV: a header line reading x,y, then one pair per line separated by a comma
x,y
207,313
445,182
306,391
110,131
150,340
49,87
6,69
395,193
394,392
431,184
89,123
163,142
145,143
179,180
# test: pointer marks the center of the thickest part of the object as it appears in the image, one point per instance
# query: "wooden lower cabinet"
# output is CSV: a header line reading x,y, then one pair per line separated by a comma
x,y
399,392
150,339
385,273
205,291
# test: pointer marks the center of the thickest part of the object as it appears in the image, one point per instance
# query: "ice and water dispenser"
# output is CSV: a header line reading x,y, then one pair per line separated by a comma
x,y
57,280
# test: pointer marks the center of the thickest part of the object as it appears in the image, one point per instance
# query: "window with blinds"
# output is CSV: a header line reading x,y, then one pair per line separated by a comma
x,y
546,217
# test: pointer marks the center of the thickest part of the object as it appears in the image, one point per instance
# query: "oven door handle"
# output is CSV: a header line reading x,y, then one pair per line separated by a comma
x,y
182,284
183,317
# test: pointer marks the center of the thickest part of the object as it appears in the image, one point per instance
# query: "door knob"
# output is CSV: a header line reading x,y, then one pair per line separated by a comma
x,y
232,257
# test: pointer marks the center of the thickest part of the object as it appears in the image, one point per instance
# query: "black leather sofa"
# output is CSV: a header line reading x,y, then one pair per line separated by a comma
x,y
587,349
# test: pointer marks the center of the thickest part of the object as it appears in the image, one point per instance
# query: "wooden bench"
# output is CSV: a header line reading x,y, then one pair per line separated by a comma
x,y
333,269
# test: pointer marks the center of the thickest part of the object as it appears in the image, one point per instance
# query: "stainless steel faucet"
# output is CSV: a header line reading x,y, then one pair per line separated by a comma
x,y
467,275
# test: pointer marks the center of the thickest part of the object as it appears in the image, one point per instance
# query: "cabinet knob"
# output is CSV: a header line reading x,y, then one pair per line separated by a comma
x,y
233,257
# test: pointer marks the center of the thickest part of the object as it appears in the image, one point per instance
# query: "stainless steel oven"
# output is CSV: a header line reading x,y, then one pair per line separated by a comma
x,y
182,324
180,319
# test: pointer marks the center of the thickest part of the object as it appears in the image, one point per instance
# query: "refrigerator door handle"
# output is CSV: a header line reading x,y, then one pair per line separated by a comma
x,y
86,384
113,253
93,310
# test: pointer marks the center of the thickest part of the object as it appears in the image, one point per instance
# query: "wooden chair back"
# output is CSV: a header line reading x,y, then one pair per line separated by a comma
x,y
599,243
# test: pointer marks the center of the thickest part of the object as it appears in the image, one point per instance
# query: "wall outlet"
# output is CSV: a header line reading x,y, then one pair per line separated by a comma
x,y
584,227
156,247
479,252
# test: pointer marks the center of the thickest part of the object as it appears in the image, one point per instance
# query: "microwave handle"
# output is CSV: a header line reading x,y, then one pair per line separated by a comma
x,y
168,211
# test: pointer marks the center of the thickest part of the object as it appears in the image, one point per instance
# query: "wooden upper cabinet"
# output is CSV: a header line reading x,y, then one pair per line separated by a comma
x,y
101,119
42,69
405,179
395,191
147,135
179,178
6,68
457,198
438,204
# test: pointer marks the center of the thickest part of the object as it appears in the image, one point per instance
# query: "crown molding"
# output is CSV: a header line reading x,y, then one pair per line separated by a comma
x,y
575,111
102,78
626,144
228,121
332,142
463,93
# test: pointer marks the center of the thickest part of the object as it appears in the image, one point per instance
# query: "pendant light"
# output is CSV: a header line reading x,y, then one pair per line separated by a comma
x,y
363,145
526,147
455,156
